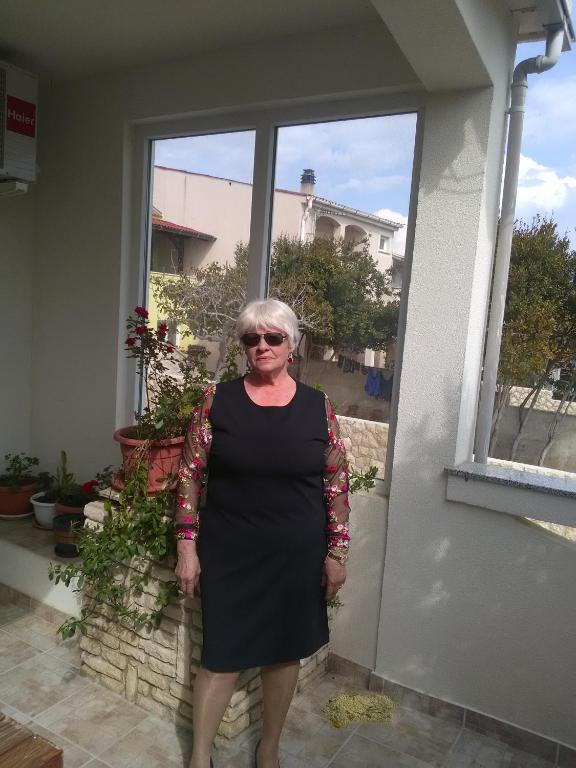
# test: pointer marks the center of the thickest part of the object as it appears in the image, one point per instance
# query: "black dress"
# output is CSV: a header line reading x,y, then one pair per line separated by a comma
x,y
265,531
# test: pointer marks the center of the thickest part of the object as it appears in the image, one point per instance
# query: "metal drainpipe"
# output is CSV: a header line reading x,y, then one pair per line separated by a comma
x,y
535,65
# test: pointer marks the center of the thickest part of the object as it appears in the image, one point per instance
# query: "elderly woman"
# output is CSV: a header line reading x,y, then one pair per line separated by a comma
x,y
271,546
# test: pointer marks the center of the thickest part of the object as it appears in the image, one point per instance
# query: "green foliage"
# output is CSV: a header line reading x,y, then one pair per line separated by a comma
x,y
361,481
539,331
335,288
173,382
231,368
117,559
19,470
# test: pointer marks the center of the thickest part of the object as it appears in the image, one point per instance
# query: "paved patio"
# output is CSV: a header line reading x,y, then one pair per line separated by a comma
x,y
41,685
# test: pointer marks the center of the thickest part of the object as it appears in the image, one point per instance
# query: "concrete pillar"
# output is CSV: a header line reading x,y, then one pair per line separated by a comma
x,y
453,246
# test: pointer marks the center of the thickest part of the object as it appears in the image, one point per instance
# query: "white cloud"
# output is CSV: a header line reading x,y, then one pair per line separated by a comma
x,y
400,236
541,187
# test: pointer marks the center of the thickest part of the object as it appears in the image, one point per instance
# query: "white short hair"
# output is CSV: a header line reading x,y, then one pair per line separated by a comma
x,y
268,313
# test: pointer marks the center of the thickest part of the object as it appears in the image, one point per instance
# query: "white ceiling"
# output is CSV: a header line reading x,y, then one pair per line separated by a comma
x,y
63,39
66,39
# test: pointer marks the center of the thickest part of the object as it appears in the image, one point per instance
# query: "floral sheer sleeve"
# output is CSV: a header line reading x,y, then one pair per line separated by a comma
x,y
336,487
194,469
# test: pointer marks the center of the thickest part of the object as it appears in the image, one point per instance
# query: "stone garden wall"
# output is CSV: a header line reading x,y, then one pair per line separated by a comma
x,y
156,668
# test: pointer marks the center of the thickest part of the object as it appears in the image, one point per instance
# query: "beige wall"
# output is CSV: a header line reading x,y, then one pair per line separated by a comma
x,y
17,215
221,207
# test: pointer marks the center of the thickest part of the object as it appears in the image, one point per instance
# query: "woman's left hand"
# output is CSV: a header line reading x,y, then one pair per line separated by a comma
x,y
333,577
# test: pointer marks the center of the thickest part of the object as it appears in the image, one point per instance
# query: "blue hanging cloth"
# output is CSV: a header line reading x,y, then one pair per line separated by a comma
x,y
372,384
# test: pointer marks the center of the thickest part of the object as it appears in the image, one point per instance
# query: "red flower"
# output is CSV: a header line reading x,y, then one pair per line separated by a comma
x,y
130,341
89,486
141,311
169,348
162,330
140,330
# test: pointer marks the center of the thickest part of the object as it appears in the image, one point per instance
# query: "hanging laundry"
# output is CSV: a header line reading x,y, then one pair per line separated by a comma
x,y
386,387
372,383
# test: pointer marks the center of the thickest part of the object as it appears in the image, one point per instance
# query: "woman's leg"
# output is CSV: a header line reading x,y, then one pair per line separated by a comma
x,y
278,686
212,694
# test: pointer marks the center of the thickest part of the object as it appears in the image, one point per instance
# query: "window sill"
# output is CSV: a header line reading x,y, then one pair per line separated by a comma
x,y
538,494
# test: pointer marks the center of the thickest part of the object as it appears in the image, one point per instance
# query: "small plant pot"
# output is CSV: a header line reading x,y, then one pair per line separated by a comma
x,y
162,458
65,534
66,509
16,503
44,511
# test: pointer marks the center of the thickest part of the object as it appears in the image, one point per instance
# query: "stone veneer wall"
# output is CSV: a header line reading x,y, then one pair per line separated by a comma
x,y
366,443
156,668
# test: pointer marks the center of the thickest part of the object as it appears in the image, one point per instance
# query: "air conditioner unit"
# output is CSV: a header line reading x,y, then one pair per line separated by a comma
x,y
18,102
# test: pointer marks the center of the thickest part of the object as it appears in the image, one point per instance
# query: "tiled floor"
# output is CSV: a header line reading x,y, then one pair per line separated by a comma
x,y
42,687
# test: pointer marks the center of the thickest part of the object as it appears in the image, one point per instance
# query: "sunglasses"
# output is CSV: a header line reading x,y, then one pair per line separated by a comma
x,y
272,339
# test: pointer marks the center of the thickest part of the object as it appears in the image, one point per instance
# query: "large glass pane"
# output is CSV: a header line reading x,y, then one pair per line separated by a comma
x,y
202,197
340,208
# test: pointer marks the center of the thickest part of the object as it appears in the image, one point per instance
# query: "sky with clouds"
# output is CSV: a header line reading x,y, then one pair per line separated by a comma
x,y
367,164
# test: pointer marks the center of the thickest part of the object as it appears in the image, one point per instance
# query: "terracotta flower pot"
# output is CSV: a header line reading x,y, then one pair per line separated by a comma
x,y
17,503
161,456
66,509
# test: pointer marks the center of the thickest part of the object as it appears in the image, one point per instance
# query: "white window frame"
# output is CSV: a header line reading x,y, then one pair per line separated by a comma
x,y
265,121
386,248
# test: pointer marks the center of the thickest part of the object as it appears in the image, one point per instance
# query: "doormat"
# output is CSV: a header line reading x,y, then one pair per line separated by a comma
x,y
365,707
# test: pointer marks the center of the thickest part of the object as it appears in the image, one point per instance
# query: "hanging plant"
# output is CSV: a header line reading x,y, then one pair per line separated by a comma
x,y
117,559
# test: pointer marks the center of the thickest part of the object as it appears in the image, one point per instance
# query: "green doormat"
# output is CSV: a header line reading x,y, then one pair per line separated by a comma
x,y
367,707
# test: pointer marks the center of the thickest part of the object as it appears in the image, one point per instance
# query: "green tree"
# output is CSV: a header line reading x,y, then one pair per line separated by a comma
x,y
539,331
339,295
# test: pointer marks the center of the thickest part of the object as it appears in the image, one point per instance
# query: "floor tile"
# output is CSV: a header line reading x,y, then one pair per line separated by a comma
x,y
359,752
40,683
14,651
242,759
95,764
68,651
319,750
14,713
36,631
26,535
414,733
473,750
93,718
74,756
10,611
151,744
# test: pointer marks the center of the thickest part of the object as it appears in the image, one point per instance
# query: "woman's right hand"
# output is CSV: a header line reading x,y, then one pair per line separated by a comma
x,y
187,572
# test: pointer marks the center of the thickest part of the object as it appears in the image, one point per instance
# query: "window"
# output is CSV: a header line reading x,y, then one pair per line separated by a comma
x,y
331,262
230,199
201,204
534,419
384,245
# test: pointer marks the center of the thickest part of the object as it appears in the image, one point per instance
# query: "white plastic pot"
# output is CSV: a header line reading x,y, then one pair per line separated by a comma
x,y
43,512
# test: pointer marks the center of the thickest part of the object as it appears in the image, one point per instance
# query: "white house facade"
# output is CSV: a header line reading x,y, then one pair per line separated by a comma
x,y
221,208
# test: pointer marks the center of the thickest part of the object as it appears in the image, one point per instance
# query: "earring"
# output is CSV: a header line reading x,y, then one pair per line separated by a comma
x,y
290,358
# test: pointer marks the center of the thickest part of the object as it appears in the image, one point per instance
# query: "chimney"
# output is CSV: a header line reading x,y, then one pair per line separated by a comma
x,y
307,181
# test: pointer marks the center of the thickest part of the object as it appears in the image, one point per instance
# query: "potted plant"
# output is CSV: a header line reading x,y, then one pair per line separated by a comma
x,y
71,500
173,385
44,501
61,494
17,484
